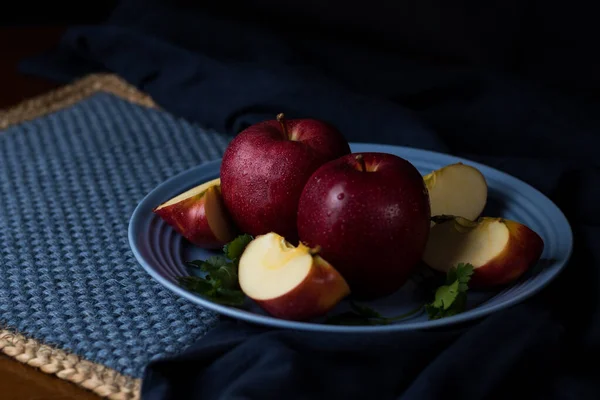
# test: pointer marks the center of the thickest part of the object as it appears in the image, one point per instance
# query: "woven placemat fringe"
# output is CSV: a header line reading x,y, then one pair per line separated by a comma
x,y
70,94
97,378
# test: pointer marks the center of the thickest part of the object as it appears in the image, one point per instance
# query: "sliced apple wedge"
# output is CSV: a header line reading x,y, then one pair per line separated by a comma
x,y
500,250
289,282
200,215
457,189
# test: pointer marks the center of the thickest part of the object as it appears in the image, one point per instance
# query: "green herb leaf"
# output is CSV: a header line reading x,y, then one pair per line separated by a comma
x,y
210,264
230,297
364,311
214,262
213,290
463,274
218,268
234,249
220,282
198,285
445,296
451,298
228,276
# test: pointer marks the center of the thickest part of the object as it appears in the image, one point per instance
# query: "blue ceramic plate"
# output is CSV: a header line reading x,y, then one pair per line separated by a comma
x,y
163,253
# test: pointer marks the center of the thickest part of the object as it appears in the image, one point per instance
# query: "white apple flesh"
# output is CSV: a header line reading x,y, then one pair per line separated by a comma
x,y
457,189
289,282
500,250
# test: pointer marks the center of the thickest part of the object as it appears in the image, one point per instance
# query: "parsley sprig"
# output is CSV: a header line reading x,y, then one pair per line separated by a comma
x,y
219,281
449,299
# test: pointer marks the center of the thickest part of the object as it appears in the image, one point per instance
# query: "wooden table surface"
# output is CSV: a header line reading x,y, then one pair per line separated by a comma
x,y
19,381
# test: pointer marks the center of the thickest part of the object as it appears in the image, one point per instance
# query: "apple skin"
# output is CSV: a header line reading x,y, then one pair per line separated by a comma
x,y
524,248
264,170
321,290
189,218
372,226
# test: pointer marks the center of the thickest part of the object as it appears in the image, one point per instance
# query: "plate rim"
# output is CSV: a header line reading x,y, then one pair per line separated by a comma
x,y
270,321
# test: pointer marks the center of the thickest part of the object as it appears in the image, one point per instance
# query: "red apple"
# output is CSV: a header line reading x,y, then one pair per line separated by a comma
x,y
500,250
289,282
370,215
200,216
265,167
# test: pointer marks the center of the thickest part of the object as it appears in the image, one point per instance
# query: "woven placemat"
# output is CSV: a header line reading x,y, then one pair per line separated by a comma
x,y
74,163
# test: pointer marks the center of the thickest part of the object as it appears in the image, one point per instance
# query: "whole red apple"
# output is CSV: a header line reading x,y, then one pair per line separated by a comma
x,y
265,167
370,214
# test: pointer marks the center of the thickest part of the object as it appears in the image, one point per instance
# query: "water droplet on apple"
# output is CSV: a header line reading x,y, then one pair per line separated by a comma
x,y
340,196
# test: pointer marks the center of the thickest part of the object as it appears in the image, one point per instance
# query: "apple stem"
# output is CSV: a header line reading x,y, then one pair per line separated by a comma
x,y
361,162
314,251
281,120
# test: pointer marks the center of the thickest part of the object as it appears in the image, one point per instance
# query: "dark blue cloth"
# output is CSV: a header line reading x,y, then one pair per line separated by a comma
x,y
503,85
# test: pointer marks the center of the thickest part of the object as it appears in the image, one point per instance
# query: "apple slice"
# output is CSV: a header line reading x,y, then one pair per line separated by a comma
x,y
457,189
500,250
289,282
200,216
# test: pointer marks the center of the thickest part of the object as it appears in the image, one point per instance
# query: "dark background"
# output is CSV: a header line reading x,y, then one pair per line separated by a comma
x,y
33,27
29,13
549,42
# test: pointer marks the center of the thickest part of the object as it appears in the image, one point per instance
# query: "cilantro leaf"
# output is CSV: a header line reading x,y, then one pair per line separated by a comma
x,y
220,281
234,249
451,298
445,295
231,297
214,262
219,268
197,284
463,275
210,264
364,311
212,288
227,274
